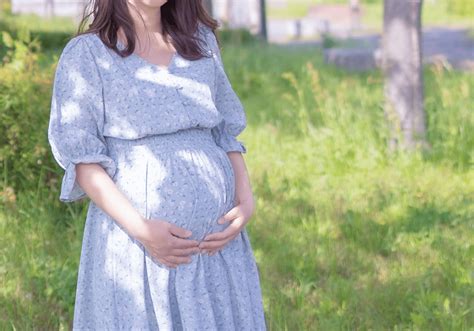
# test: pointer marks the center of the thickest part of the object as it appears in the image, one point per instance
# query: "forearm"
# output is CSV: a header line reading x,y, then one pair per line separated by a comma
x,y
243,188
101,189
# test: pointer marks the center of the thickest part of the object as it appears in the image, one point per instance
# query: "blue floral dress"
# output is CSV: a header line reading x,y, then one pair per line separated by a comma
x,y
162,135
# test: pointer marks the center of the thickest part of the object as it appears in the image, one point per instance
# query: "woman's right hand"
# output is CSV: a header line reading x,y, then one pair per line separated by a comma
x,y
167,242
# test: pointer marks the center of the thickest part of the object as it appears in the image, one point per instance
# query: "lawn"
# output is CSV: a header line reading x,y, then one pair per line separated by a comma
x,y
434,12
347,235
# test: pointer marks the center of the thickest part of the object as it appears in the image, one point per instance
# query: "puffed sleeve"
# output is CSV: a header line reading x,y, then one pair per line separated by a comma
x,y
227,103
77,117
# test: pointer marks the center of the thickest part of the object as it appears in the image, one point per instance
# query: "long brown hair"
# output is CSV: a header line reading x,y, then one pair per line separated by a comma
x,y
180,20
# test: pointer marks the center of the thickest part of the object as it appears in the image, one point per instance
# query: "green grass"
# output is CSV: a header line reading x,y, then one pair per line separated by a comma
x,y
35,22
39,248
346,234
292,9
349,236
434,13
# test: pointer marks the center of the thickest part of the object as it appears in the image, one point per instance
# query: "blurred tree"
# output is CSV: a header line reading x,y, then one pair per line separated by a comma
x,y
402,66
263,20
355,13
5,6
239,12
49,8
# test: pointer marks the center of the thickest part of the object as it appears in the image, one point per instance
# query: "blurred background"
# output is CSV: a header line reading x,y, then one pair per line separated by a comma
x,y
361,156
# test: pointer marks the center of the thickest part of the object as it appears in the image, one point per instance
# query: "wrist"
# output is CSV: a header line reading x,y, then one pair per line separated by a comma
x,y
138,228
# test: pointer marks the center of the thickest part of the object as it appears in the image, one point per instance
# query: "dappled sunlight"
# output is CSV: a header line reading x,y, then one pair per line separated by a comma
x,y
71,112
181,178
103,63
345,234
194,91
211,176
80,84
181,62
191,89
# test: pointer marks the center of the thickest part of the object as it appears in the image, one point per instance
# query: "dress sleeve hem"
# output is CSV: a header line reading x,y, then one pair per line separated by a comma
x,y
227,141
233,145
70,189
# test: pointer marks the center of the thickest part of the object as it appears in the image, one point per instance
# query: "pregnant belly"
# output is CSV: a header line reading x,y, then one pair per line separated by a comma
x,y
183,178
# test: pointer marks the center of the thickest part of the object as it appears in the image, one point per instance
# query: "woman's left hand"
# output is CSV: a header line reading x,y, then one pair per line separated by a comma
x,y
238,217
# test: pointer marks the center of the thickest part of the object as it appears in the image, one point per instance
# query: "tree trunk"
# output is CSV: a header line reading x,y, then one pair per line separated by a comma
x,y
208,6
402,66
354,5
263,20
49,8
239,15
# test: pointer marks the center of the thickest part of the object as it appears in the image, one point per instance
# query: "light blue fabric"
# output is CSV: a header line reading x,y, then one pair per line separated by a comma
x,y
162,135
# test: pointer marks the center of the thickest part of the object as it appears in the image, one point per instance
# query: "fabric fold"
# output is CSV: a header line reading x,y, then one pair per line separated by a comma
x,y
226,141
75,130
70,189
227,102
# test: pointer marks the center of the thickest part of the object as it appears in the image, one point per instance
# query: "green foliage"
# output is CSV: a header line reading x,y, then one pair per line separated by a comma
x,y
450,119
24,102
236,36
439,12
328,41
462,8
346,234
5,6
39,257
46,32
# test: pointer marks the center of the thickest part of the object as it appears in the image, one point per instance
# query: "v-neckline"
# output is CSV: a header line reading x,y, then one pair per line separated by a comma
x,y
167,68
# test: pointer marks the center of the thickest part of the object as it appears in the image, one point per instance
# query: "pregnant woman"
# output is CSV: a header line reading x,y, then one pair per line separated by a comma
x,y
144,122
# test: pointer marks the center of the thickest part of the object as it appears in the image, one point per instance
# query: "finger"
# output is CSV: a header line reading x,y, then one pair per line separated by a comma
x,y
170,263
183,243
179,232
211,252
232,229
217,245
207,251
166,263
218,236
185,251
209,246
230,215
178,259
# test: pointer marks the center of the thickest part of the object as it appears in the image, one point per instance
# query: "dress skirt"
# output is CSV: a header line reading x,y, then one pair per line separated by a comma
x,y
186,179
